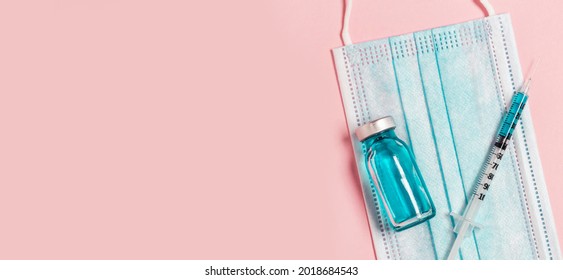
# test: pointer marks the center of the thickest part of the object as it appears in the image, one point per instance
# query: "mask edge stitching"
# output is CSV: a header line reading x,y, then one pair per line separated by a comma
x,y
358,123
525,142
502,105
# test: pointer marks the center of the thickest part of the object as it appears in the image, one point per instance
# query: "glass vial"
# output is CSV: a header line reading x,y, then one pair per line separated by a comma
x,y
394,175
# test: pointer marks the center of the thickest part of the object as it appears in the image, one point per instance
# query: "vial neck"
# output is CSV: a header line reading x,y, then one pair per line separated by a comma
x,y
390,133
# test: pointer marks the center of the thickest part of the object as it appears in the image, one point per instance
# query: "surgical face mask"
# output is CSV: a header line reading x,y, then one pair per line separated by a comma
x,y
447,89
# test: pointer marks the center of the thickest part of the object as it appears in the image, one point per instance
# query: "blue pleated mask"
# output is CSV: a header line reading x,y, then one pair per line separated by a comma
x,y
447,89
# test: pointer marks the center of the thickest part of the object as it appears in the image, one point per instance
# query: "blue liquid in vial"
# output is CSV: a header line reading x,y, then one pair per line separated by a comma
x,y
397,180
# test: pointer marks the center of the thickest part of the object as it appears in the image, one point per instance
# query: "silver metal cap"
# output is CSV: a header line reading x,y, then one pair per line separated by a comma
x,y
374,127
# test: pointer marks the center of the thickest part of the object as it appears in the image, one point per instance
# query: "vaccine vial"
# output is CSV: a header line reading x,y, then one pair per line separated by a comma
x,y
394,175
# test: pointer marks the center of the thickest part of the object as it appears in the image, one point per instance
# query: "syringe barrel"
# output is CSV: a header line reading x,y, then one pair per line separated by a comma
x,y
495,156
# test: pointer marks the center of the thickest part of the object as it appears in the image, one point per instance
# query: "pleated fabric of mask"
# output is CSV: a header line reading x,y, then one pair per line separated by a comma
x,y
447,89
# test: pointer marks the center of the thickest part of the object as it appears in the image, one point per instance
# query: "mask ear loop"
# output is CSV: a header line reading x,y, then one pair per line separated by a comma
x,y
487,5
345,35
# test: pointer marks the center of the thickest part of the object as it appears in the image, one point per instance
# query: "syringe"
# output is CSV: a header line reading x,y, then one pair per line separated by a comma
x,y
466,222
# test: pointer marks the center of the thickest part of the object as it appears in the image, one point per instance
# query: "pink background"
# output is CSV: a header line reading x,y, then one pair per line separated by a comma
x,y
207,129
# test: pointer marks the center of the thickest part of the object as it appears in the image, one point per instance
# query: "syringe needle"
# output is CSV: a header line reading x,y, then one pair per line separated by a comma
x,y
528,81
